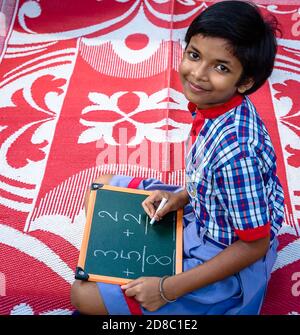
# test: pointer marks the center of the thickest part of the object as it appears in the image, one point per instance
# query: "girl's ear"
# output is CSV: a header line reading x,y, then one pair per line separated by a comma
x,y
247,84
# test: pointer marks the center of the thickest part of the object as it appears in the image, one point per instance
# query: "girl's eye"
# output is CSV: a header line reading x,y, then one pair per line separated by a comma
x,y
222,68
193,55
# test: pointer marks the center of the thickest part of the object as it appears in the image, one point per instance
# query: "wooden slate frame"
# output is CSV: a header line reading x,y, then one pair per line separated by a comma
x,y
80,272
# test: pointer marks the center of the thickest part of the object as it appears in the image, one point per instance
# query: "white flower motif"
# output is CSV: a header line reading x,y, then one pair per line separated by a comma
x,y
152,130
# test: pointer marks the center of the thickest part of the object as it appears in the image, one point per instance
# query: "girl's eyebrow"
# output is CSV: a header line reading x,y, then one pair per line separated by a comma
x,y
194,48
223,61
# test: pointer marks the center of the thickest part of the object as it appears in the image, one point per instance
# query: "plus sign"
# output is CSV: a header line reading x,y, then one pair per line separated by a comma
x,y
127,272
127,232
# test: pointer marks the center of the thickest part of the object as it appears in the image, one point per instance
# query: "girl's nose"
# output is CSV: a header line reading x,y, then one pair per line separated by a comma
x,y
200,72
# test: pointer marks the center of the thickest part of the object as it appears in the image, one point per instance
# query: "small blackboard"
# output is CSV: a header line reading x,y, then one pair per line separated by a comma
x,y
119,243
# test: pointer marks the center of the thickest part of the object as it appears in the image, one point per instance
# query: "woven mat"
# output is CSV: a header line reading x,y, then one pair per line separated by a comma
x,y
91,87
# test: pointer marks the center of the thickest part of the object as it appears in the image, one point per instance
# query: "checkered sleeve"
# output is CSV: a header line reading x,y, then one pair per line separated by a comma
x,y
243,196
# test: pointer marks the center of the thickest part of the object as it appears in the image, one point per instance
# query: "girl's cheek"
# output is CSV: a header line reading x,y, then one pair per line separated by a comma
x,y
183,69
181,73
180,68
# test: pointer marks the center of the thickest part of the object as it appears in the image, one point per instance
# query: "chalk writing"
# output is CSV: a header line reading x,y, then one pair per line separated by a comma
x,y
123,244
136,256
103,213
138,220
128,255
126,217
146,227
167,259
127,272
128,233
105,253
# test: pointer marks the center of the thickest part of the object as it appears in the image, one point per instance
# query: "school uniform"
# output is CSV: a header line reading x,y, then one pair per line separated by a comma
x,y
234,193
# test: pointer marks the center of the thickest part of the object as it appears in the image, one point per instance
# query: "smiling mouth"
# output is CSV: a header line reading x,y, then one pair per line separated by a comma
x,y
197,88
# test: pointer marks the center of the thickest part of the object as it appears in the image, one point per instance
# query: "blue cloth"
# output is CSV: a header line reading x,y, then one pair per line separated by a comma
x,y
242,293
231,177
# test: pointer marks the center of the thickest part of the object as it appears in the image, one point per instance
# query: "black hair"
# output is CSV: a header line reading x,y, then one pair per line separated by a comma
x,y
251,37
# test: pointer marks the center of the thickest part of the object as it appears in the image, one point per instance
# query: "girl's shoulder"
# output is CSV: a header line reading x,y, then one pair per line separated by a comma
x,y
239,133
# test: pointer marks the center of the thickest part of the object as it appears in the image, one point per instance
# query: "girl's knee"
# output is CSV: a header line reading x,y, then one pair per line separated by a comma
x,y
86,298
77,295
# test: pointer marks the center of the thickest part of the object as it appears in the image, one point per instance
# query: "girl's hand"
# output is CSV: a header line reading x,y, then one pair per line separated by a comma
x,y
175,201
145,290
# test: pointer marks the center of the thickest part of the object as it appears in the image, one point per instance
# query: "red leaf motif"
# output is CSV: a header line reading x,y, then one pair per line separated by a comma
x,y
156,115
18,158
293,124
101,116
150,116
167,127
294,159
290,88
23,116
44,85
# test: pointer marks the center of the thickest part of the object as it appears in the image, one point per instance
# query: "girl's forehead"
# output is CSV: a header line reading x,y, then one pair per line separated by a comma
x,y
214,47
214,43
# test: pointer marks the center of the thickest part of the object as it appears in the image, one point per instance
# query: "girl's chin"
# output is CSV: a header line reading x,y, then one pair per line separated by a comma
x,y
199,97
197,101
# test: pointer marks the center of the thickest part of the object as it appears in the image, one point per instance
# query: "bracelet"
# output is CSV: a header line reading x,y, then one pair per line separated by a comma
x,y
161,291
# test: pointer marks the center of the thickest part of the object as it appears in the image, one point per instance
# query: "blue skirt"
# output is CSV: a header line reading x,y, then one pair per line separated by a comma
x,y
239,294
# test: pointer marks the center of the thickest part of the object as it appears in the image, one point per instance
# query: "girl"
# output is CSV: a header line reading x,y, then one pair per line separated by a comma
x,y
233,199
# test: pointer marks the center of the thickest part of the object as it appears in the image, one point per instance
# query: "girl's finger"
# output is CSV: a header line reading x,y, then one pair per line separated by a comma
x,y
131,284
148,208
148,203
162,212
131,292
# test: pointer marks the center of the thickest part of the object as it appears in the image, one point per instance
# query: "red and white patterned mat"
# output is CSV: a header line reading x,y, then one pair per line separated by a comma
x,y
91,87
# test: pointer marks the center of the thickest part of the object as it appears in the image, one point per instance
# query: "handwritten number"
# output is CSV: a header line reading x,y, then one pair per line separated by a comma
x,y
163,260
103,213
152,259
127,217
106,252
128,255
138,220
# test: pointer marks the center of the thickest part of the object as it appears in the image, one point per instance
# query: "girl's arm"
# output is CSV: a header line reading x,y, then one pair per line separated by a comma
x,y
231,260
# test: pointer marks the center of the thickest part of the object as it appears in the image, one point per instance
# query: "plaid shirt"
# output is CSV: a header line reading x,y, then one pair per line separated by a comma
x,y
231,175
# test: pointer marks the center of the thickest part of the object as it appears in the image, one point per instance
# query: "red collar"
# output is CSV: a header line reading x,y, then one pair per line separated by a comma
x,y
214,112
211,113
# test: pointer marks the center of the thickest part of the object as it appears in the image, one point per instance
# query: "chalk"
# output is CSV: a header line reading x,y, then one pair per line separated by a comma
x,y
161,205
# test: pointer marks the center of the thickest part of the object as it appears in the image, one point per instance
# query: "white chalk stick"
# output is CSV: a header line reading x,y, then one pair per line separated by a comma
x,y
161,205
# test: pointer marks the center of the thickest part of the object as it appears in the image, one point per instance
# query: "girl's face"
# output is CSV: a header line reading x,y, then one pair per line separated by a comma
x,y
209,72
